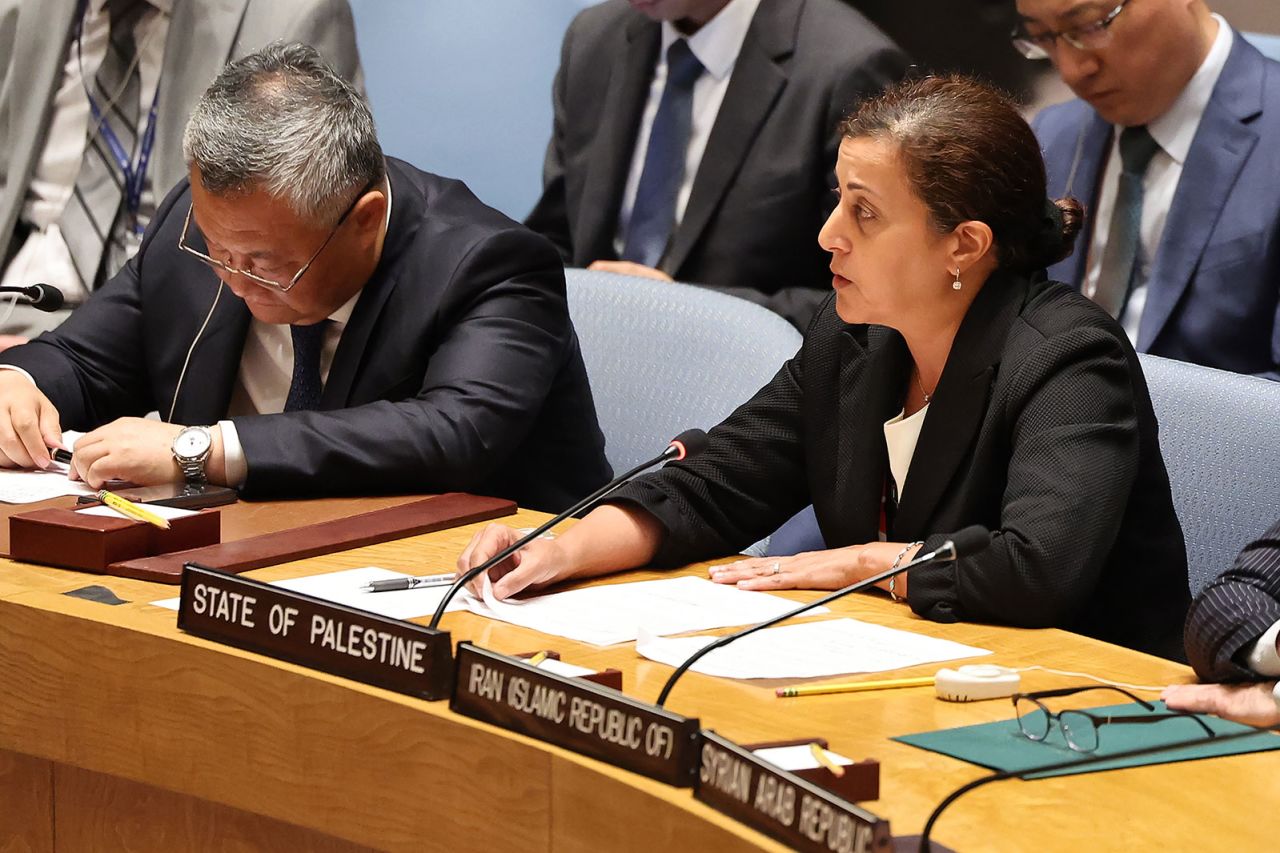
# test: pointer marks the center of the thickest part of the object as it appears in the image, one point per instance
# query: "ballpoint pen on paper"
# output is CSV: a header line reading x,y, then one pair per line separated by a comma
x,y
395,584
131,509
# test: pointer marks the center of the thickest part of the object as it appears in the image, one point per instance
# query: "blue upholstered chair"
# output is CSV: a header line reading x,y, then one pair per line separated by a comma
x,y
1220,436
1268,44
663,358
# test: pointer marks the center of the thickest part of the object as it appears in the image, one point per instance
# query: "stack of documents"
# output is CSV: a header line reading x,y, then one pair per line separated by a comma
x,y
615,613
809,650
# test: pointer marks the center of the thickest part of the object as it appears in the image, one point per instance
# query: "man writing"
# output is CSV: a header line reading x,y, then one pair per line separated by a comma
x,y
310,317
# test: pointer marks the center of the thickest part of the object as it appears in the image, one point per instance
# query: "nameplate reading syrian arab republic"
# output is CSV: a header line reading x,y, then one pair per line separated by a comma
x,y
734,781
575,714
302,629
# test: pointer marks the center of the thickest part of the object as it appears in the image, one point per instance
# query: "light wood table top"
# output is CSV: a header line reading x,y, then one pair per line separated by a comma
x,y
119,690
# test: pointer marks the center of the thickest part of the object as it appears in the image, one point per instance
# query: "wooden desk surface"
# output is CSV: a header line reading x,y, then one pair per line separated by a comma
x,y
95,699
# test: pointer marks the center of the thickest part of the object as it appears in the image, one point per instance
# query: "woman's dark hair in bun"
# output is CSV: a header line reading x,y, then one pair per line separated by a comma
x,y
970,155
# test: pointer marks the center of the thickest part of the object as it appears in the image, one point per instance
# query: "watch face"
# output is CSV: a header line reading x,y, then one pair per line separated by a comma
x,y
191,443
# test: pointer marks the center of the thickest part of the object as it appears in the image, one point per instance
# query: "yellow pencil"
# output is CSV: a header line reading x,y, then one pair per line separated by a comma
x,y
855,687
131,509
537,659
820,755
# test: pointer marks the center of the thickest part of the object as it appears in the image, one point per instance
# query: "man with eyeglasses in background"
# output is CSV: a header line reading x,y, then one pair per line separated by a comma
x,y
1174,146
341,321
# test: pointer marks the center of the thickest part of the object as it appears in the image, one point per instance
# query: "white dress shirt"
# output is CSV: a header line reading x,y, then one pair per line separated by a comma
x,y
1263,657
1173,132
43,255
716,45
901,435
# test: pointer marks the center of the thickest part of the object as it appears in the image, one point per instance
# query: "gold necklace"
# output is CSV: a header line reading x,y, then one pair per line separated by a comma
x,y
919,384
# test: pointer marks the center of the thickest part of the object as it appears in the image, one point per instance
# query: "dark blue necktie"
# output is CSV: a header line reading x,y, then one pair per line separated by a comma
x,y
1120,268
653,215
305,387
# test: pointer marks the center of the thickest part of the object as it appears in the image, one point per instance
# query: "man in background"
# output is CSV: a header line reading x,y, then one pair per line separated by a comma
x,y
95,94
1174,147
696,139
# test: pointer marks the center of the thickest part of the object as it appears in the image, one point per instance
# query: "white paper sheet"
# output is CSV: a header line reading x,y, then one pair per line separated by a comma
x,y
562,668
345,588
604,615
28,487
809,650
798,757
168,513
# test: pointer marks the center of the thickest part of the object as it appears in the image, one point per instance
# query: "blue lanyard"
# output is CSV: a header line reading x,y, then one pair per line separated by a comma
x,y
135,175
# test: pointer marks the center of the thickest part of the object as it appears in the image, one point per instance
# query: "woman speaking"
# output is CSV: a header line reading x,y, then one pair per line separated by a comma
x,y
945,384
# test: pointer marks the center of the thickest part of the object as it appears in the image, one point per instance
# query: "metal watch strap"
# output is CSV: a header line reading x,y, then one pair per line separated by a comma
x,y
193,470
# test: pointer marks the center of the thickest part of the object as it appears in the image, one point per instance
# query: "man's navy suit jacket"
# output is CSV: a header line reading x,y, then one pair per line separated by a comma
x,y
764,185
1215,278
458,370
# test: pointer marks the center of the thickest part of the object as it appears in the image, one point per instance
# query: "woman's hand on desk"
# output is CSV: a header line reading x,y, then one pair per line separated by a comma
x,y
609,539
830,569
532,567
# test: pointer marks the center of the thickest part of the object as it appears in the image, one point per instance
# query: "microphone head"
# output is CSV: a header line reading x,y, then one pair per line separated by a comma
x,y
44,297
689,442
971,540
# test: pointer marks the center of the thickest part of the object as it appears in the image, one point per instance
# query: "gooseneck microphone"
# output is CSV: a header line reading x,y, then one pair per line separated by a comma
x,y
965,543
42,297
687,443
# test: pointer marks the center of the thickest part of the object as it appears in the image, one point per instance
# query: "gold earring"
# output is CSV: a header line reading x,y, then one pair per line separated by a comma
x,y
956,285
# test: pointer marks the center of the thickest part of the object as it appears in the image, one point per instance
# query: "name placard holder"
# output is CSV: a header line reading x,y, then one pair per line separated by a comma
x,y
302,629
736,782
576,714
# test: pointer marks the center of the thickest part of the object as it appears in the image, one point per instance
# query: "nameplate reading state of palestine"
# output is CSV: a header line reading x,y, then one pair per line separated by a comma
x,y
310,631
798,813
575,714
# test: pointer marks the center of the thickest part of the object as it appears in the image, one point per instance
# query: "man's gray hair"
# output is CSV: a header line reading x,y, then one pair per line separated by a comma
x,y
281,120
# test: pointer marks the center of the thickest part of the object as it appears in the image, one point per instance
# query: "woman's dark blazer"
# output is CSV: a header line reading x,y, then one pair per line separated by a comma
x,y
1041,429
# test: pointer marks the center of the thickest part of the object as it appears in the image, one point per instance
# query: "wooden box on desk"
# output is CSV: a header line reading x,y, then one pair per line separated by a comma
x,y
74,540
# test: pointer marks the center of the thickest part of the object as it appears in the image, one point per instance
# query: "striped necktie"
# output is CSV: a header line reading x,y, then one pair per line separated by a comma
x,y
95,222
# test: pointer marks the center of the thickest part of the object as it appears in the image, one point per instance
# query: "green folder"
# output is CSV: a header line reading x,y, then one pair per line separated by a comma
x,y
1000,746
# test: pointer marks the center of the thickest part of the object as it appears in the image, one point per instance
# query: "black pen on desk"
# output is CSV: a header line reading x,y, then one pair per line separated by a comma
x,y
397,584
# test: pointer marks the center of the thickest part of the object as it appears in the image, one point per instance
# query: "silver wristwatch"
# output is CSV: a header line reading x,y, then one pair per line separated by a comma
x,y
191,450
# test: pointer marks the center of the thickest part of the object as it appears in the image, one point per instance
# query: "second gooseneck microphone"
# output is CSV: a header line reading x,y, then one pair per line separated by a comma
x,y
42,297
689,442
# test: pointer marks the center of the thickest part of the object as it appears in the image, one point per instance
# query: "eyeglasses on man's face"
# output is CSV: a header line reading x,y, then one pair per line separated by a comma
x,y
1080,728
1041,44
254,277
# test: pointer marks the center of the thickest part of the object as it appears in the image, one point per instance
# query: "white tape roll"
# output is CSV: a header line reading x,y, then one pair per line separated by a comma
x,y
975,681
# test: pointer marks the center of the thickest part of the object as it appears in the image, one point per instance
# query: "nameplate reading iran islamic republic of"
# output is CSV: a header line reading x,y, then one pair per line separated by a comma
x,y
576,714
